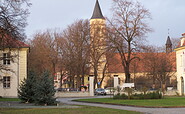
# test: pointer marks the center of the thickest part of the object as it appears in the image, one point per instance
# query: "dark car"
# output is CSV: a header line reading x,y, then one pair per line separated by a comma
x,y
99,91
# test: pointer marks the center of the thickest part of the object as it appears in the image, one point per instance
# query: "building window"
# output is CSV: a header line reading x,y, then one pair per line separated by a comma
x,y
181,60
6,82
6,58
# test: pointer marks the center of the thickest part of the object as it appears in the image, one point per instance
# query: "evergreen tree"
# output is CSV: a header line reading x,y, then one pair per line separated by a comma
x,y
27,88
45,91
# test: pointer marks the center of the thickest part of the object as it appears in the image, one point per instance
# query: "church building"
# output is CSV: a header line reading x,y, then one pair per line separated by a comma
x,y
114,64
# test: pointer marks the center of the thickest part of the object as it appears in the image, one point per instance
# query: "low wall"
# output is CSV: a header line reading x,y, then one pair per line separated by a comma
x,y
72,94
171,93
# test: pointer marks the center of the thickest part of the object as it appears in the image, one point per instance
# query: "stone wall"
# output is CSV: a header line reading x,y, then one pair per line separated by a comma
x,y
72,94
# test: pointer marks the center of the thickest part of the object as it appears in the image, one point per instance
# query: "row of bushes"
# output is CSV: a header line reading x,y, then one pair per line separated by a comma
x,y
150,95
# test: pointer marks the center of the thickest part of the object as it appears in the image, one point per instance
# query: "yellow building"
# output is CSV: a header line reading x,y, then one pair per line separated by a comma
x,y
13,66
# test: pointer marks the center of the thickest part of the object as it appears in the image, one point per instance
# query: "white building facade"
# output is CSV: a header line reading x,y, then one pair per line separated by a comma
x,y
13,69
180,65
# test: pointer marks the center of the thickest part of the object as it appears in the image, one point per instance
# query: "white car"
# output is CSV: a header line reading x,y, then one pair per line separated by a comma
x,y
110,90
100,91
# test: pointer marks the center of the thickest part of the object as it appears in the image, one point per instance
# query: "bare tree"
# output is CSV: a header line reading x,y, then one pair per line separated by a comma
x,y
165,69
175,42
109,57
44,52
13,14
159,65
129,25
150,60
76,50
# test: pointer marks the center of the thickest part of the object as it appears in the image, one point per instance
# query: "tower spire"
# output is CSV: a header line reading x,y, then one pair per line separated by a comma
x,y
168,45
97,14
168,42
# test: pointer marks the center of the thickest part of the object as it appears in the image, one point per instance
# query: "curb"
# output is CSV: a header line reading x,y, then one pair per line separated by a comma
x,y
132,105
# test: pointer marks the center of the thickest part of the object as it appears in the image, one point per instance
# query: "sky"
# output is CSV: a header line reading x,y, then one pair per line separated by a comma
x,y
58,14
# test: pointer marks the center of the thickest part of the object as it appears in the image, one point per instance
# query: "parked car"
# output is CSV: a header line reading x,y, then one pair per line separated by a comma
x,y
99,91
110,90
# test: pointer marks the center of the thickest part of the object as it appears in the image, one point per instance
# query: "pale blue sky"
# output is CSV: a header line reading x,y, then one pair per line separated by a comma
x,y
51,14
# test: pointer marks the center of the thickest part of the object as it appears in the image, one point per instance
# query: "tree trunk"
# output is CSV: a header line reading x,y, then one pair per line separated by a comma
x,y
127,80
95,77
61,76
82,79
83,75
154,85
127,74
72,82
78,82
163,88
103,76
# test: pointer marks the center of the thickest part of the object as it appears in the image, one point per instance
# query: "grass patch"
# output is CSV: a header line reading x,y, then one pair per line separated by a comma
x,y
83,110
9,99
166,102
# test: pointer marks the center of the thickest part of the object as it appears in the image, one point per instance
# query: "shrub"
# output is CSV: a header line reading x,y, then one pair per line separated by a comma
x,y
151,95
120,96
117,96
27,88
37,90
124,96
144,90
129,92
44,93
137,96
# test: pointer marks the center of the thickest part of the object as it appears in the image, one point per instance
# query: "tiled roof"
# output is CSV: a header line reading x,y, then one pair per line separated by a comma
x,y
8,42
115,63
183,41
179,45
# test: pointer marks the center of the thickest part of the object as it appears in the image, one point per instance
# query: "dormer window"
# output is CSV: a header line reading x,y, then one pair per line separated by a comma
x,y
6,58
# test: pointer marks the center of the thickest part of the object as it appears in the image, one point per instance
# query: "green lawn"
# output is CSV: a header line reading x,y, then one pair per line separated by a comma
x,y
9,99
83,110
166,102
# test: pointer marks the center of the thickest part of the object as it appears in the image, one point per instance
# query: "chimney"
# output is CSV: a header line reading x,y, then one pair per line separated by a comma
x,y
182,39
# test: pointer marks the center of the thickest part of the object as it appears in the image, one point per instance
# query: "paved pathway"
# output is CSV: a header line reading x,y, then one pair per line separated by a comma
x,y
17,104
130,108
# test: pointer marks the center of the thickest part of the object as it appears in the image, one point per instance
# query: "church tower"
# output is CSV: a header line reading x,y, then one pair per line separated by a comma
x,y
97,23
168,45
98,48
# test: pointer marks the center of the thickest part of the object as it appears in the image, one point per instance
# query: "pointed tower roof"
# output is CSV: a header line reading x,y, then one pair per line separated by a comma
x,y
168,42
97,14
